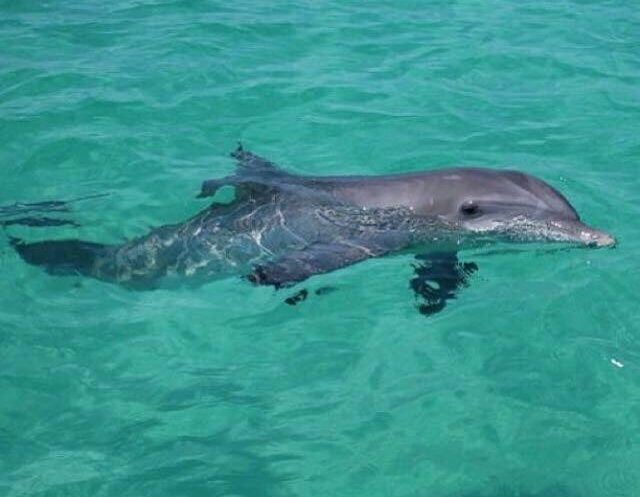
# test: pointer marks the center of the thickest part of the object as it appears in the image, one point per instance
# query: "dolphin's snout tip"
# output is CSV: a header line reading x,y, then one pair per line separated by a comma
x,y
606,241
596,238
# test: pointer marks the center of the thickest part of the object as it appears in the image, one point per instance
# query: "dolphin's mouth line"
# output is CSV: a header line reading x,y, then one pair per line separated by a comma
x,y
520,229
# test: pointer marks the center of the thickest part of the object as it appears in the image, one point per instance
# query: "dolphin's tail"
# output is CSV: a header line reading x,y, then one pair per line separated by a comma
x,y
61,256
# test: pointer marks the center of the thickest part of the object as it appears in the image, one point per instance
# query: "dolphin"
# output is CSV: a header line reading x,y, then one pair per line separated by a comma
x,y
282,228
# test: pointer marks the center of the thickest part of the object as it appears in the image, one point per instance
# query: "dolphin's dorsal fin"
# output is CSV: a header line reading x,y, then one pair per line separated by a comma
x,y
251,170
250,163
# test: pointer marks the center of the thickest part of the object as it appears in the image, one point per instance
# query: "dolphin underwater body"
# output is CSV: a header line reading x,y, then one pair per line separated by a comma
x,y
281,228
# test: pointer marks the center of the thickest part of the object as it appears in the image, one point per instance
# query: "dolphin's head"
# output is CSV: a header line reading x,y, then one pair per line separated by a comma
x,y
511,205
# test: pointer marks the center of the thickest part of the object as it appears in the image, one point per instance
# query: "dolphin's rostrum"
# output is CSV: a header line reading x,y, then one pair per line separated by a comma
x,y
282,228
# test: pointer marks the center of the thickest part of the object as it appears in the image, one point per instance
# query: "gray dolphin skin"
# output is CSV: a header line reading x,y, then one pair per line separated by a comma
x,y
282,228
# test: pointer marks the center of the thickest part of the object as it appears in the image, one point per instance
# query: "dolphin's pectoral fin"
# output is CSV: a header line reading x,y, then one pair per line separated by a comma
x,y
301,295
301,264
439,276
296,298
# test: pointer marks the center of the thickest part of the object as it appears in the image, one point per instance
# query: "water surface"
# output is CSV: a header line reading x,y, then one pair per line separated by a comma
x,y
224,390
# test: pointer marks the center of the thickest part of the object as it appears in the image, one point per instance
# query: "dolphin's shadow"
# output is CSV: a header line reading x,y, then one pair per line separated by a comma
x,y
438,277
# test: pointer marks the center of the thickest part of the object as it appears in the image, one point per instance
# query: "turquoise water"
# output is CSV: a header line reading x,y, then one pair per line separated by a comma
x,y
515,389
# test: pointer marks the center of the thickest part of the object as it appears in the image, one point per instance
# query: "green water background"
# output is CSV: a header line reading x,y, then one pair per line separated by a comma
x,y
223,390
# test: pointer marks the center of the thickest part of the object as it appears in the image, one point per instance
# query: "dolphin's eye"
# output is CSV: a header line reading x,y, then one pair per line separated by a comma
x,y
469,208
